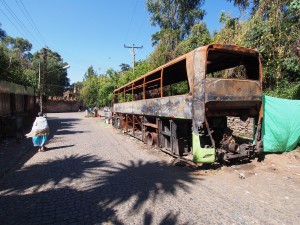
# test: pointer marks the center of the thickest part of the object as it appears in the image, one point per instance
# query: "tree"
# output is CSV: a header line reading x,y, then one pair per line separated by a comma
x,y
124,67
176,19
178,15
56,78
274,30
199,36
2,33
15,60
90,72
89,91
166,42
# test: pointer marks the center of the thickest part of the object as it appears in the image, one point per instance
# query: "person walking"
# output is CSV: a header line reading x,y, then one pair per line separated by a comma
x,y
39,132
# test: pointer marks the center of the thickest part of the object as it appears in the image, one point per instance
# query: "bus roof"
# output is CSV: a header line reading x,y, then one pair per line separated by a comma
x,y
220,47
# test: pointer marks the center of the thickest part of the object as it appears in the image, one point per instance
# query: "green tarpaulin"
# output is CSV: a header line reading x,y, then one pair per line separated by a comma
x,y
281,124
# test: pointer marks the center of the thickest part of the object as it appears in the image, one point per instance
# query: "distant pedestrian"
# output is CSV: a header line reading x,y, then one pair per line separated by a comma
x,y
39,132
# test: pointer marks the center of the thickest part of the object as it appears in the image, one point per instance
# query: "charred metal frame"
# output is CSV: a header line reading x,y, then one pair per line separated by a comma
x,y
179,123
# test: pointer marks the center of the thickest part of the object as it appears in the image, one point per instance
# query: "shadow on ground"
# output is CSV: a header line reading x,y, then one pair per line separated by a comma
x,y
86,190
15,153
60,126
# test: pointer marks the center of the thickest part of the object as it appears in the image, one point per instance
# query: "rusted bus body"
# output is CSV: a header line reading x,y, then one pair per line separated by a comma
x,y
194,121
17,108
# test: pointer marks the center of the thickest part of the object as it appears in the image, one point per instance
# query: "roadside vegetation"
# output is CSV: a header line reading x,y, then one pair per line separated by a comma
x,y
20,66
271,27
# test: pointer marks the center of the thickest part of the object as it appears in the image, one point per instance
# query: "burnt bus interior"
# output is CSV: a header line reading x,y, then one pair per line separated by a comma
x,y
221,100
173,81
232,88
173,135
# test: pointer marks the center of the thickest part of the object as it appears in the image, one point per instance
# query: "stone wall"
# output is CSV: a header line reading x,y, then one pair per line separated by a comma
x,y
55,105
241,128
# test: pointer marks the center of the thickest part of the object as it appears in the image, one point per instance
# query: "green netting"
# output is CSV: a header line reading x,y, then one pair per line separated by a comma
x,y
281,124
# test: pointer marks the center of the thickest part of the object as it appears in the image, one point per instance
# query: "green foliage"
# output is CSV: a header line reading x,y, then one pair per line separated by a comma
x,y
89,91
178,15
97,90
291,66
2,33
142,68
15,61
274,30
165,47
19,66
285,90
105,91
56,79
90,72
124,67
180,30
230,30
199,36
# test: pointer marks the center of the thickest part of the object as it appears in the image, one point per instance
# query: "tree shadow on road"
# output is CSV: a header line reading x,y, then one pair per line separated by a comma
x,y
143,180
59,126
53,171
169,218
87,190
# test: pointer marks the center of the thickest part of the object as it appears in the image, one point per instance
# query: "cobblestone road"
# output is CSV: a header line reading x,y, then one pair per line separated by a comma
x,y
92,174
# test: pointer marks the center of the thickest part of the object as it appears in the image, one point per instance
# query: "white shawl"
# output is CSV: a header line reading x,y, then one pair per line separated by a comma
x,y
39,127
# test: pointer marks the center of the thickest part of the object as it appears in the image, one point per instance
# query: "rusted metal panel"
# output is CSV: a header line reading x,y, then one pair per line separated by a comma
x,y
234,48
198,88
190,70
217,89
179,106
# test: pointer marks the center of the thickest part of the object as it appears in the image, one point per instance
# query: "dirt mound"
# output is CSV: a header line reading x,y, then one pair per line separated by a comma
x,y
283,165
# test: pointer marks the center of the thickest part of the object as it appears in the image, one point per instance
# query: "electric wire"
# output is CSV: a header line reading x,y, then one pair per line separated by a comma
x,y
12,22
32,21
19,22
129,27
140,28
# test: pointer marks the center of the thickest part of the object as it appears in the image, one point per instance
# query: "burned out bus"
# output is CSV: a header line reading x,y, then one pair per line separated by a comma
x,y
182,106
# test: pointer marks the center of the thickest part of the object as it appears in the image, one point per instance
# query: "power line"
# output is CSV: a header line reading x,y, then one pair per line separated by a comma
x,y
31,20
140,28
12,22
131,20
19,22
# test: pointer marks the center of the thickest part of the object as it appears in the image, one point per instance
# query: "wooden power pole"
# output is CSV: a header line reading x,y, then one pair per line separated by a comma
x,y
44,78
133,54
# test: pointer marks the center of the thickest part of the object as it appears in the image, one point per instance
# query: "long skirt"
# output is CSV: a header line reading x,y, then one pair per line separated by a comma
x,y
40,140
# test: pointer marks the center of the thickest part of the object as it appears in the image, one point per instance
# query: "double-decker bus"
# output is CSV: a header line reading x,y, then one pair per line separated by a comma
x,y
183,105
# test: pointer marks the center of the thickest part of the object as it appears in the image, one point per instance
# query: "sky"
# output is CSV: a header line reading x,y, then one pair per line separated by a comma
x,y
91,32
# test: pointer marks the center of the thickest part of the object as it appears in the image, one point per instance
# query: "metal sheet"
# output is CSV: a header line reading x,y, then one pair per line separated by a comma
x,y
217,89
174,106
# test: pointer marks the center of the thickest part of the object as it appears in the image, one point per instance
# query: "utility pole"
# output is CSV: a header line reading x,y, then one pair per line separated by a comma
x,y
133,54
44,78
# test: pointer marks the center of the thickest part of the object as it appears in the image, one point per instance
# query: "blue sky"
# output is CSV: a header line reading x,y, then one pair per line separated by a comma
x,y
91,32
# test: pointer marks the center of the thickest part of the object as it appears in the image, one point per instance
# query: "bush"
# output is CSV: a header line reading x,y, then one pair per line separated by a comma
x,y
285,90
